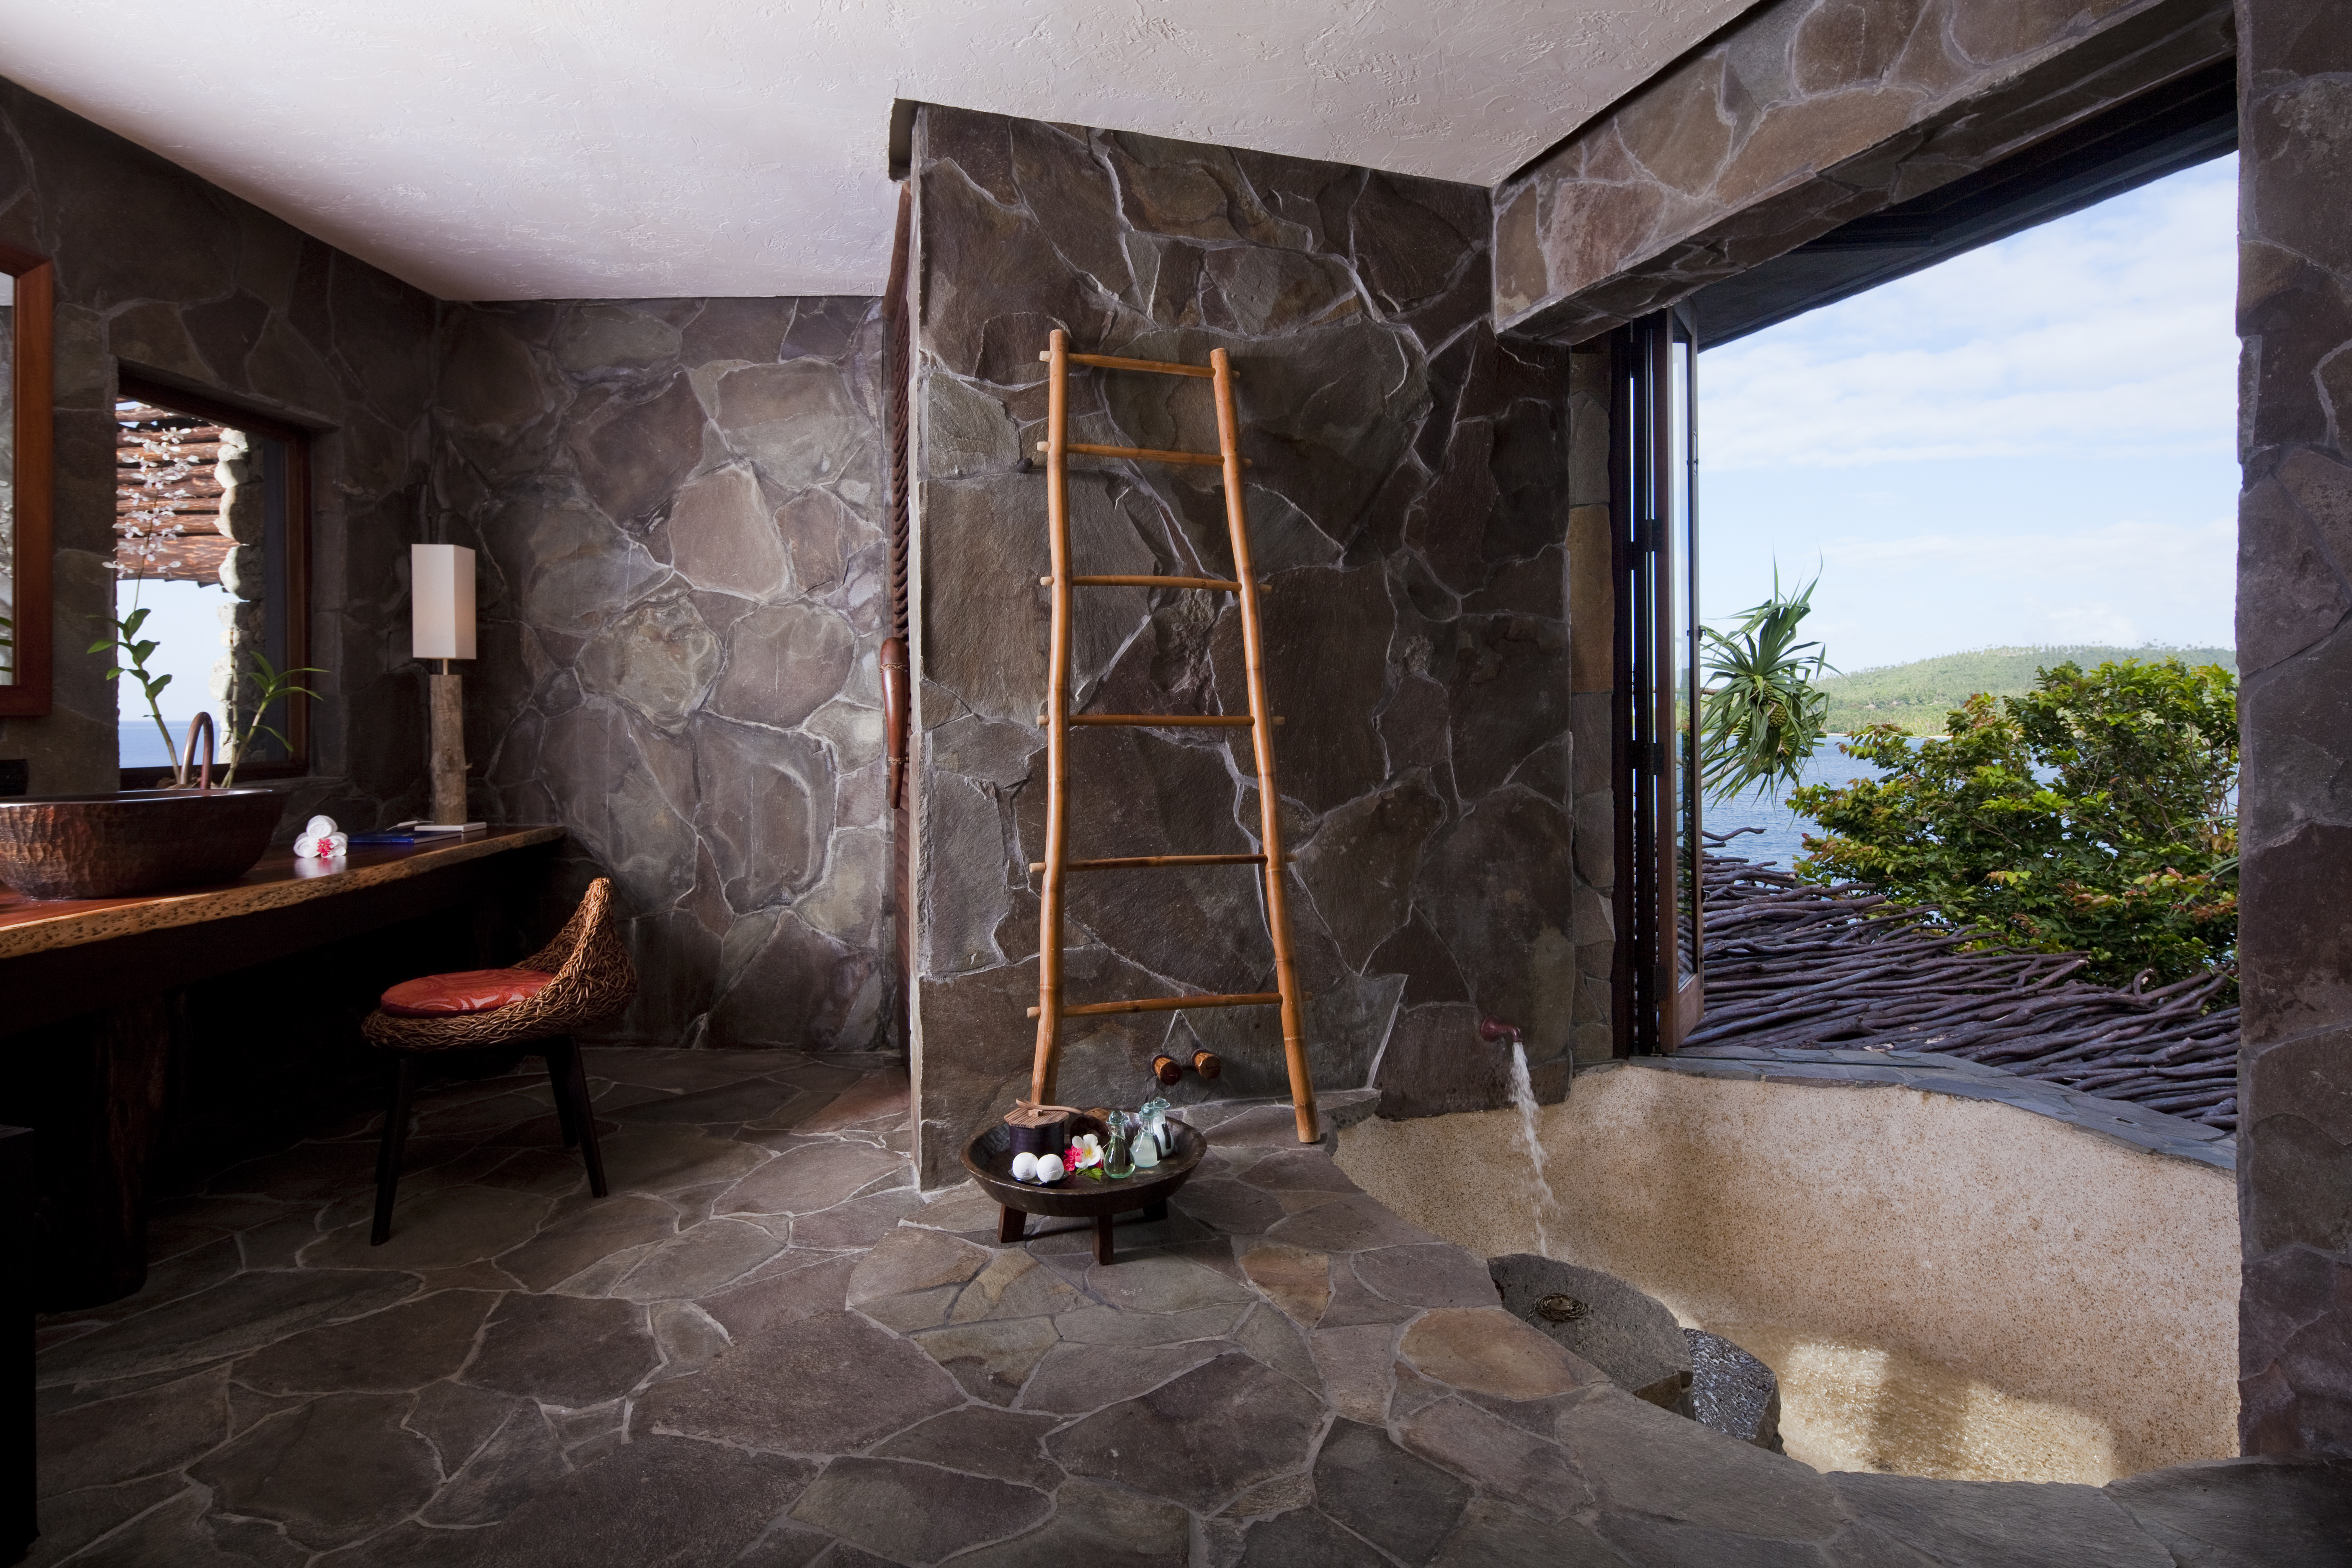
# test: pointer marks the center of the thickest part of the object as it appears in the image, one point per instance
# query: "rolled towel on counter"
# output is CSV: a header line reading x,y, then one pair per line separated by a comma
x,y
321,840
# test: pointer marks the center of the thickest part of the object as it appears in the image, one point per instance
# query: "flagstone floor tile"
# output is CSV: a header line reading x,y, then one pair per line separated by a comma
x,y
766,1349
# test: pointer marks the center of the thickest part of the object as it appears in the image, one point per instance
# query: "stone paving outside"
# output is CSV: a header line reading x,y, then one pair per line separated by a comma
x,y
766,1348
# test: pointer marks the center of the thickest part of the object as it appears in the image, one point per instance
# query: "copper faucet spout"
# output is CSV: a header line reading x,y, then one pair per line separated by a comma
x,y
201,723
1494,1031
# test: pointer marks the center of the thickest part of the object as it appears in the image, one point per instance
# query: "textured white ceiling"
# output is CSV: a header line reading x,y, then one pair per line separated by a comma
x,y
555,148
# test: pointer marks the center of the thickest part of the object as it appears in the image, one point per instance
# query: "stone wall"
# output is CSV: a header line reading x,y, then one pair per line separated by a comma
x,y
1806,115
160,272
678,508
1593,676
1409,510
2295,650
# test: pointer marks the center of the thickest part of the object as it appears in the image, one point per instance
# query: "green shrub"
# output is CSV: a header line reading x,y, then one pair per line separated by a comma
x,y
2091,813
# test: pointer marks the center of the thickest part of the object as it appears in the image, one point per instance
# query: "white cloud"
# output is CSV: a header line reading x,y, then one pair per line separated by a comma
x,y
1889,599
2031,442
2105,334
2093,621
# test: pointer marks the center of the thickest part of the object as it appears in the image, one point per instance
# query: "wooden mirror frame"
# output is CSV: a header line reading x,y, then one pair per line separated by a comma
x,y
32,368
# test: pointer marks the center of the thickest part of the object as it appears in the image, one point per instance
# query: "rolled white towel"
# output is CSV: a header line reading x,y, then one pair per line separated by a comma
x,y
321,840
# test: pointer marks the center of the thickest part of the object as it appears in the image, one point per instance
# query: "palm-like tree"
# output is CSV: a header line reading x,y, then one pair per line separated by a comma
x,y
1764,716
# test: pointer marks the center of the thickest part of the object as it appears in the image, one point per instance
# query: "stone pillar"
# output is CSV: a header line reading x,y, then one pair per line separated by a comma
x,y
2294,649
1592,619
244,629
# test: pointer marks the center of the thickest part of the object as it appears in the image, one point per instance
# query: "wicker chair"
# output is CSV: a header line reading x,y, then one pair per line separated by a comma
x,y
592,980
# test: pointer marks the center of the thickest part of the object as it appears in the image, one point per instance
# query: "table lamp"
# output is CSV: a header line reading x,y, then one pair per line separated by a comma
x,y
442,625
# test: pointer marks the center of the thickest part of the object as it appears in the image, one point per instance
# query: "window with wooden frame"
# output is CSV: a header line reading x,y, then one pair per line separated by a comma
x,y
212,540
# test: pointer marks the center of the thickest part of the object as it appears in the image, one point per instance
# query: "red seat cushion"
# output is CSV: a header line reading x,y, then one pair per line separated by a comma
x,y
468,991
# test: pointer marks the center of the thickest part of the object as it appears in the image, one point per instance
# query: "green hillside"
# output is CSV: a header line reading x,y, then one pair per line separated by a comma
x,y
1918,695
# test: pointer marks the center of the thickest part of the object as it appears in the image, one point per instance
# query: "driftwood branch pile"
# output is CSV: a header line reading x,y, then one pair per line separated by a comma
x,y
1791,963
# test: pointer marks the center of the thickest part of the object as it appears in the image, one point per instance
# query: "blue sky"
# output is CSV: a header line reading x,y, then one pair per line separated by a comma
x,y
186,620
2031,442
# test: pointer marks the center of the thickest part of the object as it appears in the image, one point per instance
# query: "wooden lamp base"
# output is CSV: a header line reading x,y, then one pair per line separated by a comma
x,y
448,735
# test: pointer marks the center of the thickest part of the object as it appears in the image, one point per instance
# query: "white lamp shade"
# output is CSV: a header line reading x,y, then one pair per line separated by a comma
x,y
441,596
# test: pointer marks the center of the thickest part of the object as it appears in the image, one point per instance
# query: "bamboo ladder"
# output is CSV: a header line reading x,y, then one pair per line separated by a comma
x,y
1057,448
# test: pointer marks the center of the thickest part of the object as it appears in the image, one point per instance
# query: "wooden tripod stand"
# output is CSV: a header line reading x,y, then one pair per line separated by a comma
x,y
1057,448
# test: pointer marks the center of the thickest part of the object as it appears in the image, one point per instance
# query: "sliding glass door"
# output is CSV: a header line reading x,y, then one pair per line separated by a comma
x,y
1653,457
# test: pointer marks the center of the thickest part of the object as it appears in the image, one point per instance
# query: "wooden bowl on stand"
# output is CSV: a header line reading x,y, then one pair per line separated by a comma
x,y
988,1158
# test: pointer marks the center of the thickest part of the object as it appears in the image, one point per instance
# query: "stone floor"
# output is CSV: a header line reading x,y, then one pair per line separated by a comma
x,y
766,1349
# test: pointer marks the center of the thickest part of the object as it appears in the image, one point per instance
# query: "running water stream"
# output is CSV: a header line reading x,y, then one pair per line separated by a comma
x,y
1523,1090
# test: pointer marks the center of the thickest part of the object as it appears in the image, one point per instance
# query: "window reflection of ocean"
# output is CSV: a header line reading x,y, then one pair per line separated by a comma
x,y
1782,838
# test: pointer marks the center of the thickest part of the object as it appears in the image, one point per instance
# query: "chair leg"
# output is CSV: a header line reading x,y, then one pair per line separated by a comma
x,y
395,1139
570,1083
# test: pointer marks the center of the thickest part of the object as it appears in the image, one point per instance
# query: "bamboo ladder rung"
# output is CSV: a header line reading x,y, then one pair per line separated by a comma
x,y
1221,584
1145,862
1143,454
1112,362
1159,720
1165,1004
1163,720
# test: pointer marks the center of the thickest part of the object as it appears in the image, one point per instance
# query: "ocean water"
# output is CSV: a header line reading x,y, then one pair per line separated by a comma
x,y
141,747
1782,838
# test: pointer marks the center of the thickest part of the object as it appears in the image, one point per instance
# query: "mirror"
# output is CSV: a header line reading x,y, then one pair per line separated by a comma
x,y
24,475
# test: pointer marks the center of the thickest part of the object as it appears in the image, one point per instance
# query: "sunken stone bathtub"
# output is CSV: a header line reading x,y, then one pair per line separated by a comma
x,y
1946,1286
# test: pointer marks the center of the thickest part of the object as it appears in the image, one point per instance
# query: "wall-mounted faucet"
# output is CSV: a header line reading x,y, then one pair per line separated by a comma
x,y
1494,1031
202,724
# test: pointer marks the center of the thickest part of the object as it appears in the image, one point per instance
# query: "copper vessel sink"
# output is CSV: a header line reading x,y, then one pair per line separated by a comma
x,y
133,841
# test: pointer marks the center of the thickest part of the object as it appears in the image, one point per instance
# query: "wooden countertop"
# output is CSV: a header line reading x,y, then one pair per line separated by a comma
x,y
39,925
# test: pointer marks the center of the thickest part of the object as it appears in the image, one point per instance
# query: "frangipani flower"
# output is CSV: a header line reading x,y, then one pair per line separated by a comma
x,y
1085,1152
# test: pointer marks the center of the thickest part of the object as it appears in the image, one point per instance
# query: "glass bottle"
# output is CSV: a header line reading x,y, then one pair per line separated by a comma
x,y
1119,1154
1154,1119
